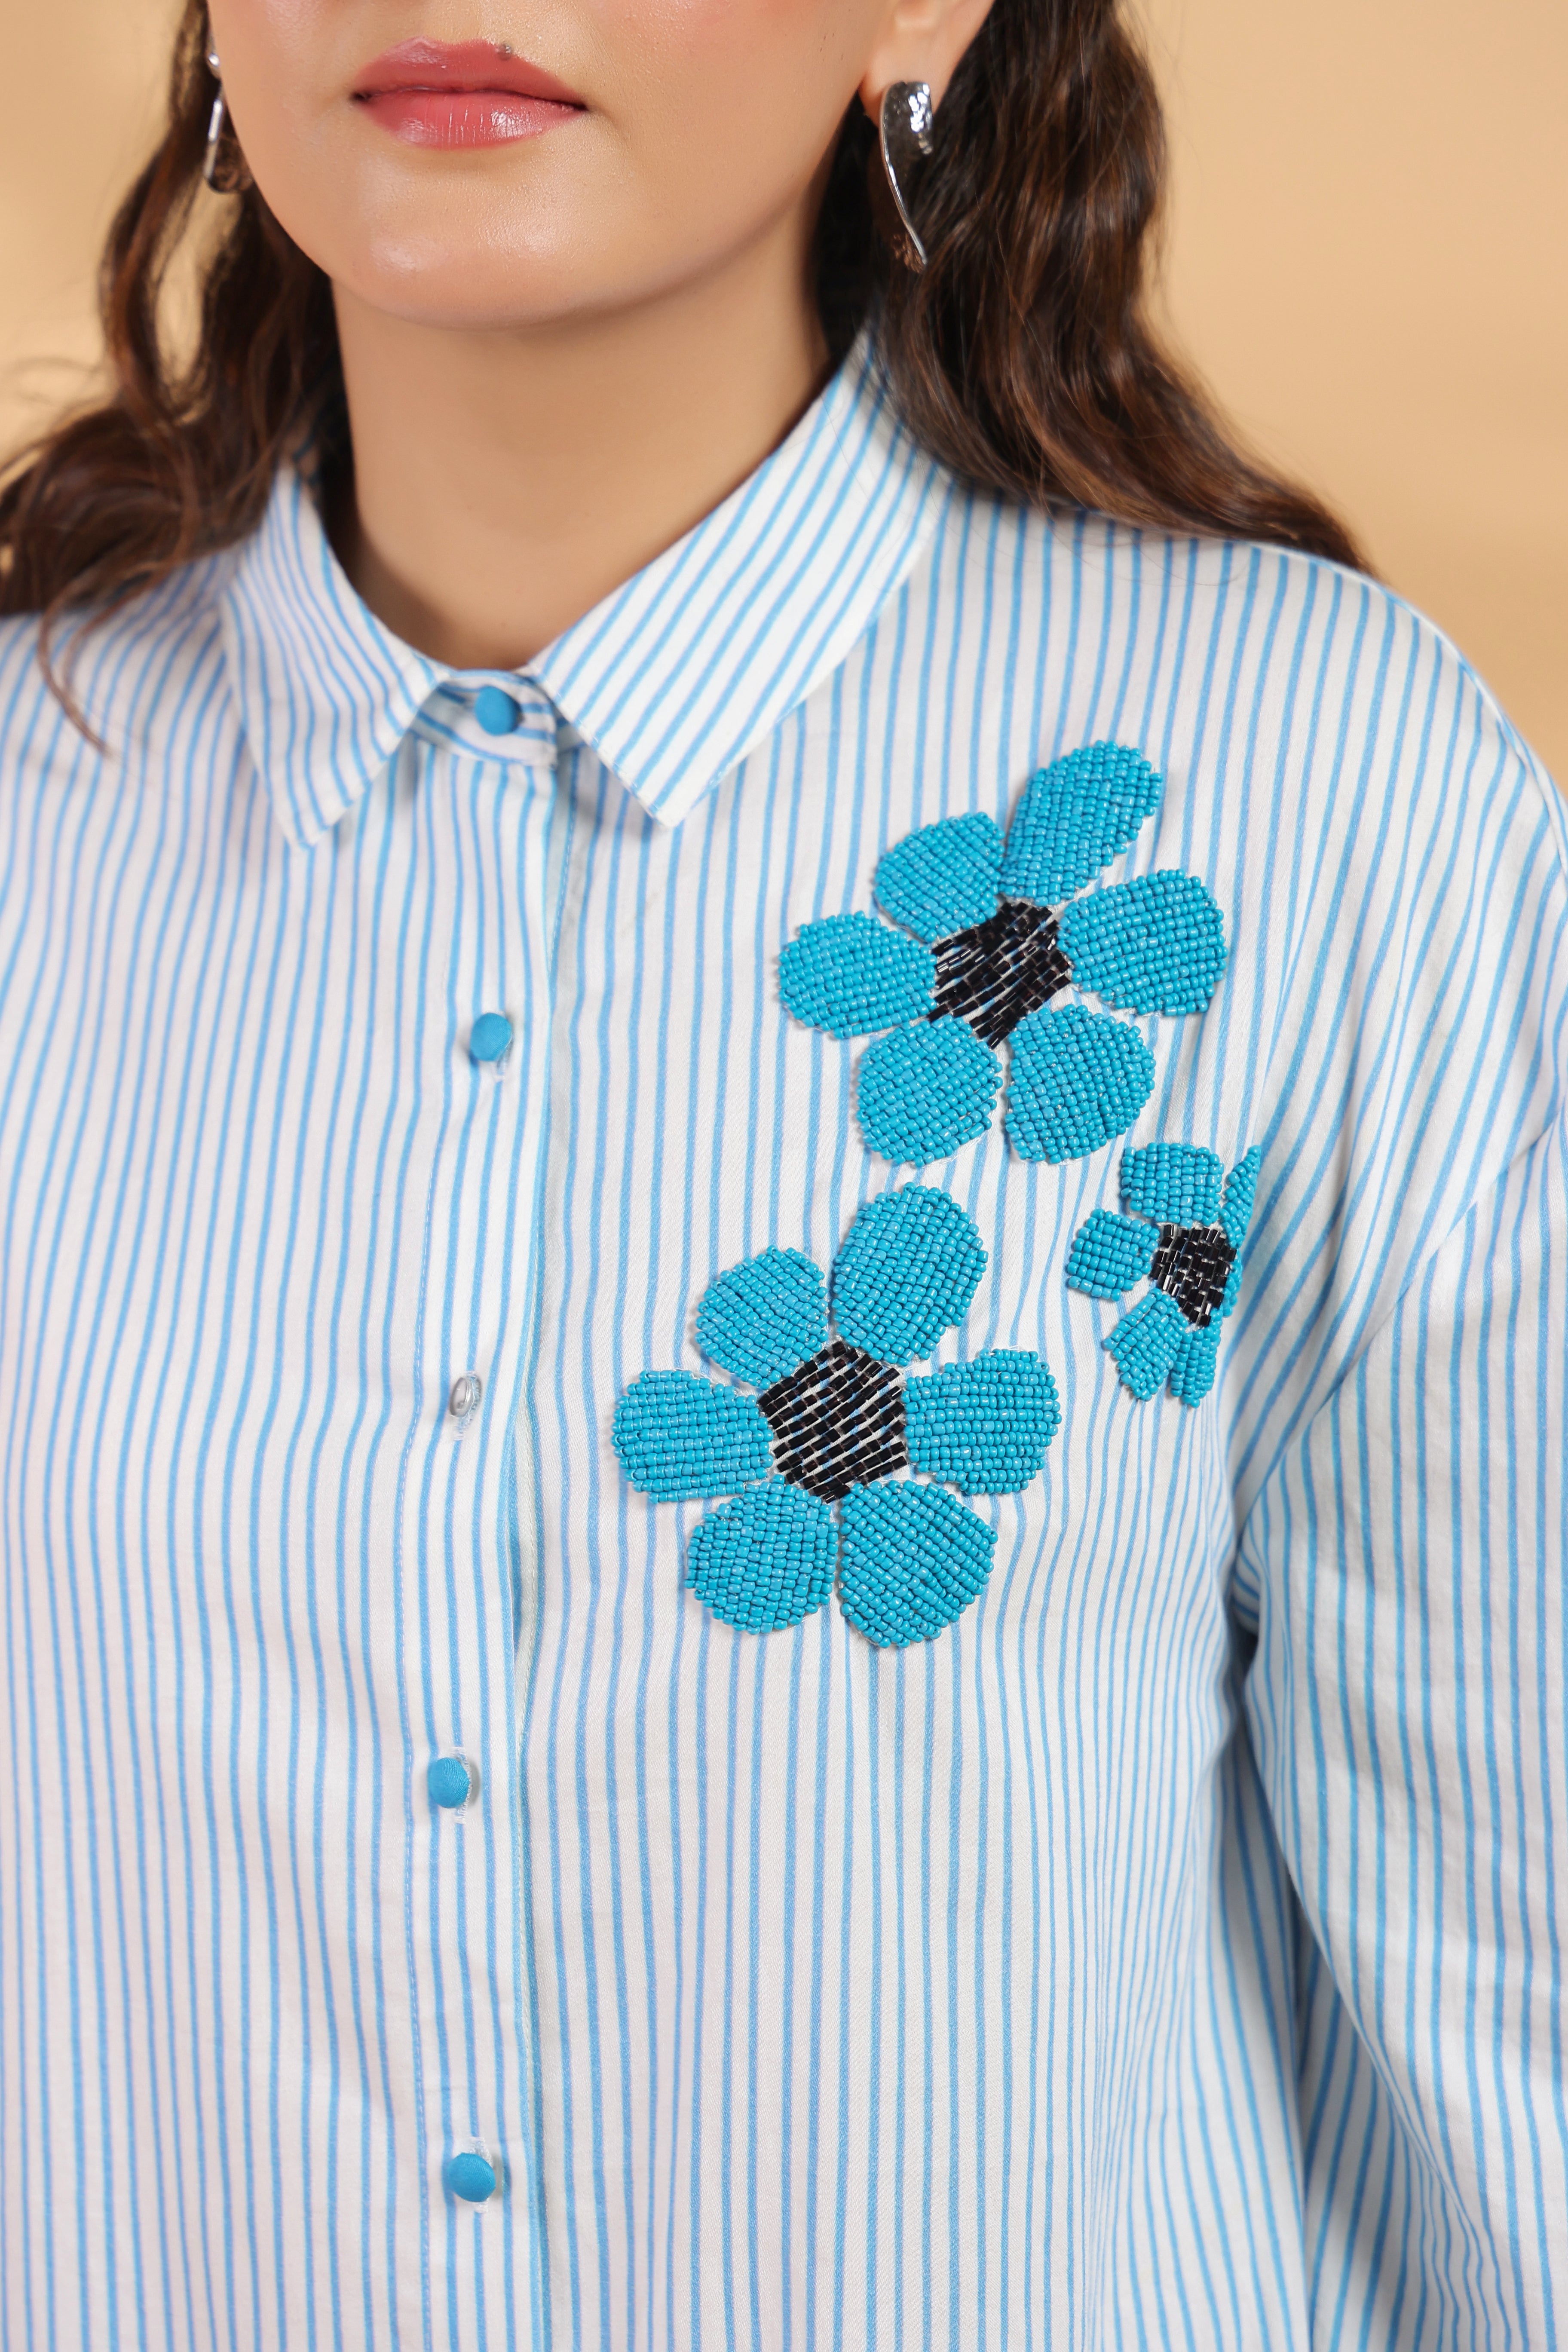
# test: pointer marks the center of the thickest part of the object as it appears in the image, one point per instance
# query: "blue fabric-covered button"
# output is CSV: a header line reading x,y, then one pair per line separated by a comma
x,y
496,711
450,1782
470,2176
490,1038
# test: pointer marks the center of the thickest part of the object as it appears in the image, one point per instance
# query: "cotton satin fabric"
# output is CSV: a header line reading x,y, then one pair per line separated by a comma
x,y
1169,1952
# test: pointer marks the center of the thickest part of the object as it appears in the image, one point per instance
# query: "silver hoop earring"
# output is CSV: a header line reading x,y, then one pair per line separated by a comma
x,y
906,141
224,167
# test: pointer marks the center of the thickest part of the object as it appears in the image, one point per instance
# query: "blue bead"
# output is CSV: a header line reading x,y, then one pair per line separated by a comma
x,y
1192,1373
924,1092
1156,945
915,1558
983,1426
449,1782
1077,1079
850,974
470,2176
943,879
490,1037
1173,1183
907,1268
1111,1254
765,1316
1240,1197
764,1561
678,1436
1148,1343
1075,817
496,711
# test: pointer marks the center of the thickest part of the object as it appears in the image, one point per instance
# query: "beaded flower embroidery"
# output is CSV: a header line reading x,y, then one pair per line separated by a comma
x,y
838,1418
992,943
1186,1236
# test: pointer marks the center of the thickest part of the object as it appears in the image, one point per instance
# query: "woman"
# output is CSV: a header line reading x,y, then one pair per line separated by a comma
x,y
780,1299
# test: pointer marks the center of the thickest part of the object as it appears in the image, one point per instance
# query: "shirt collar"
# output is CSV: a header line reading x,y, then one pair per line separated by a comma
x,y
671,679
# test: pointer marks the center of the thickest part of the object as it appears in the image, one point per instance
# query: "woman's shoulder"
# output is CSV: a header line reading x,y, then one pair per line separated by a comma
x,y
1218,656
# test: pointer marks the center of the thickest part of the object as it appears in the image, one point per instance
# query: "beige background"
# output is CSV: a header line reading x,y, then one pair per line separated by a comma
x,y
1366,255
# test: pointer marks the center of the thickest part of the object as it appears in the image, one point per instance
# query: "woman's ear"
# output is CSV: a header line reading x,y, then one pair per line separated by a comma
x,y
920,40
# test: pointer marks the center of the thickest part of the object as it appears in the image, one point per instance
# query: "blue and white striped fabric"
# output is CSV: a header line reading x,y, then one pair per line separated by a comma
x,y
1169,1952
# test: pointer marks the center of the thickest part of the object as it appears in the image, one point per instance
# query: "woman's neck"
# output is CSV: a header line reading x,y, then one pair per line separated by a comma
x,y
505,481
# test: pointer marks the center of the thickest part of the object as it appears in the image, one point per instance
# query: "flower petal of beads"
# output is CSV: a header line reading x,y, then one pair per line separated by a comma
x,y
766,1560
914,1559
1147,1342
1155,945
1174,1183
1192,1373
983,1426
1077,1079
1075,816
908,1267
1111,1254
850,974
763,1318
925,1091
678,1435
1241,1198
943,879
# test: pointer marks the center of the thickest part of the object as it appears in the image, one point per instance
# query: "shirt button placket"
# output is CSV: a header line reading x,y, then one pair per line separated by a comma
x,y
466,1786
472,2172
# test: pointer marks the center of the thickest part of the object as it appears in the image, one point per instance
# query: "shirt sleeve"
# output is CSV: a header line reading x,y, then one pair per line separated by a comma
x,y
1400,1440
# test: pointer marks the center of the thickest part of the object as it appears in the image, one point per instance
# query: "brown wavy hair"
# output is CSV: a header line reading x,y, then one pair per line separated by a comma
x,y
1023,356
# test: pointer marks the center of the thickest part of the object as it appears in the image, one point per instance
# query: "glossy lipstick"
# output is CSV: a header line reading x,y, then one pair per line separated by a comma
x,y
462,94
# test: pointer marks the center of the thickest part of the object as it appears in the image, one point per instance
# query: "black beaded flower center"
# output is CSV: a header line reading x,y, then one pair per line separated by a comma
x,y
1192,1266
996,973
838,1423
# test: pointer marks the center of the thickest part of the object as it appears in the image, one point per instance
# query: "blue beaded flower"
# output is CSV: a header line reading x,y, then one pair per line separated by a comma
x,y
1186,1236
835,1420
992,943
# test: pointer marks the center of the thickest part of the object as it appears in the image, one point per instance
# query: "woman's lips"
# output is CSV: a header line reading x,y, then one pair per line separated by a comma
x,y
462,94
463,118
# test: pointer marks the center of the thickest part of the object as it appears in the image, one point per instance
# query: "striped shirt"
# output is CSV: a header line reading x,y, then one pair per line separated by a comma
x,y
503,1846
